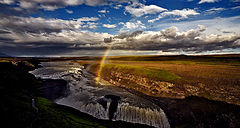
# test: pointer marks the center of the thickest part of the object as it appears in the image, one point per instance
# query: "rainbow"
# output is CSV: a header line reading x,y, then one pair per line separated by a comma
x,y
102,62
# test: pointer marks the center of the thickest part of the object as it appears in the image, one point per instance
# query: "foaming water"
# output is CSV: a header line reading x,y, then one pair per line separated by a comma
x,y
152,117
101,101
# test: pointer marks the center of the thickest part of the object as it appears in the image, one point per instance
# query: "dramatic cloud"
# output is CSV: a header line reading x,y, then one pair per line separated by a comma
x,y
39,32
109,25
19,30
207,1
172,39
56,27
41,25
51,5
144,9
128,34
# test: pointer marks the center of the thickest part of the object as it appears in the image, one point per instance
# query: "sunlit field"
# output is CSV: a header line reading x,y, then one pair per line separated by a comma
x,y
213,77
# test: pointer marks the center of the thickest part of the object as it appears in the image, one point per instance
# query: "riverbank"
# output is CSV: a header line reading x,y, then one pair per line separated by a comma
x,y
215,77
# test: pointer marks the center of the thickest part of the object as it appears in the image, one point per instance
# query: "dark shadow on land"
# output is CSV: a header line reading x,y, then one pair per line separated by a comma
x,y
196,111
18,88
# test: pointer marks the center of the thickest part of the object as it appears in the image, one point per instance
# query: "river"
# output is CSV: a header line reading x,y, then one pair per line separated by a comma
x,y
101,101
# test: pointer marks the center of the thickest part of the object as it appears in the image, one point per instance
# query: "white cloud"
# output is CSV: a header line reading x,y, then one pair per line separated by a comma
x,y
109,25
153,20
212,10
49,7
117,6
216,25
87,19
103,11
237,7
207,1
144,9
27,5
182,14
6,1
69,11
132,25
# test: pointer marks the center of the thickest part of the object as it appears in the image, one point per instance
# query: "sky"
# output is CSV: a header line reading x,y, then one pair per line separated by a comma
x,y
132,27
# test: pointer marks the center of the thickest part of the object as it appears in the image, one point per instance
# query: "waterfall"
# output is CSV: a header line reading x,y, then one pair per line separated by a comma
x,y
95,110
125,112
152,117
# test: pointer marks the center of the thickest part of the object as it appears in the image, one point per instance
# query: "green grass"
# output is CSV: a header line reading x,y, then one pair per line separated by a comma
x,y
60,116
145,72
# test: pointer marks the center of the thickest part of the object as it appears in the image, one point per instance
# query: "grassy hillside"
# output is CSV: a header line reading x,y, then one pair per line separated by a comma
x,y
144,72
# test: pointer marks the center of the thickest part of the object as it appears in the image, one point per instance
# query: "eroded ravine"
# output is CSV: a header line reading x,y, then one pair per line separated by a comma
x,y
102,102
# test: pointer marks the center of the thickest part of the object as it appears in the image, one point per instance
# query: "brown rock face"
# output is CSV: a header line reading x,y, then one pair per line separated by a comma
x,y
143,84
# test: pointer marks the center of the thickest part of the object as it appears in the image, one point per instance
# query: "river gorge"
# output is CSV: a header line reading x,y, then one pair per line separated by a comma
x,y
102,101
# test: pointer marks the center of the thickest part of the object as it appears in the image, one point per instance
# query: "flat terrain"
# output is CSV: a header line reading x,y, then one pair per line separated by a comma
x,y
215,77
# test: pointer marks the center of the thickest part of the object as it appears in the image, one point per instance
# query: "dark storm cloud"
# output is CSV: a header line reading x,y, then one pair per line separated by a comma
x,y
128,35
108,40
4,32
48,49
31,29
172,39
51,5
56,36
3,39
28,35
34,25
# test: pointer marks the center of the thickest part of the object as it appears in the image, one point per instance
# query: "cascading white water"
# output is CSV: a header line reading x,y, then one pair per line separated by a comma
x,y
152,117
125,112
95,110
84,96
